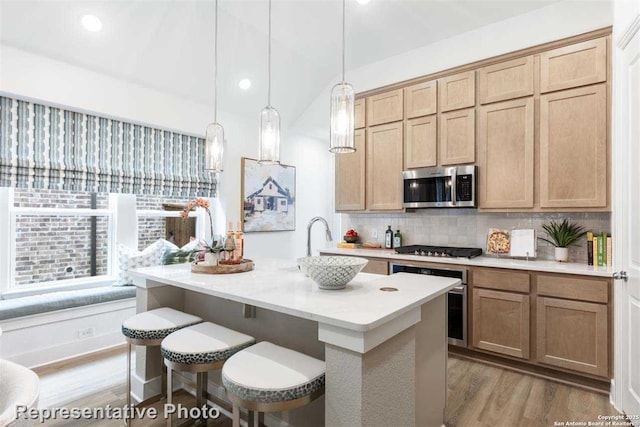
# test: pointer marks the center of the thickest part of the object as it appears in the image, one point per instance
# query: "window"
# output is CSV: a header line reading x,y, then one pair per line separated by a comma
x,y
54,239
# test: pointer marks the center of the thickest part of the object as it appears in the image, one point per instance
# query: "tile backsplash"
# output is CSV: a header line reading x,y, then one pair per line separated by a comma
x,y
469,228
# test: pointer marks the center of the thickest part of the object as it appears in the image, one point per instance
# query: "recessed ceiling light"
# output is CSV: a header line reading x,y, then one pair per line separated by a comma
x,y
244,84
363,1
91,23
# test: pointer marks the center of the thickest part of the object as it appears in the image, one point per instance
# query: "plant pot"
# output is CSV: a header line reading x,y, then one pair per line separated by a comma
x,y
210,258
562,254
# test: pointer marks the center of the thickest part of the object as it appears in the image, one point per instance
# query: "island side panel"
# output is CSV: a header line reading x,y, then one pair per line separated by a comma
x,y
147,382
372,389
431,363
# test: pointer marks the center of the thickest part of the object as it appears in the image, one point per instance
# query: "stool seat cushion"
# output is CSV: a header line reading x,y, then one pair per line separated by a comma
x,y
269,373
157,324
204,343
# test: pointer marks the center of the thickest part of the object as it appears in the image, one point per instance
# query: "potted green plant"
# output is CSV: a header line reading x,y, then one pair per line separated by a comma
x,y
562,235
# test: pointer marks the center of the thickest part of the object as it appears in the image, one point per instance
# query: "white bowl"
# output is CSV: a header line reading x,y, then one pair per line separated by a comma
x,y
332,272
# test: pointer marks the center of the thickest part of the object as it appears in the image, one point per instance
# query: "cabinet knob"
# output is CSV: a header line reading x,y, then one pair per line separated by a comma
x,y
622,275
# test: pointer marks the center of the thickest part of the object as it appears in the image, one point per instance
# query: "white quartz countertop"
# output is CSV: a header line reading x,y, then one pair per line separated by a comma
x,y
481,261
278,285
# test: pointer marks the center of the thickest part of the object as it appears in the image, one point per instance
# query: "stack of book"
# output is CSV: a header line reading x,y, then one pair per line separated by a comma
x,y
599,249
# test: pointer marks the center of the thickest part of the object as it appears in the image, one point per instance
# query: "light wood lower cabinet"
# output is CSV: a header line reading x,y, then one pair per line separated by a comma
x,y
573,335
384,167
350,177
501,322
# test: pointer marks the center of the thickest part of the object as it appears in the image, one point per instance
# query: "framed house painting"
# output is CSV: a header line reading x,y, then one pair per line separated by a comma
x,y
268,196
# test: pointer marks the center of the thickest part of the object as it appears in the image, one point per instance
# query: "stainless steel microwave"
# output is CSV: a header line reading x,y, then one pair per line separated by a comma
x,y
440,187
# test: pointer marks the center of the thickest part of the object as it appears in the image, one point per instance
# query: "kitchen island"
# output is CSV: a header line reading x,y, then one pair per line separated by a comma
x,y
385,351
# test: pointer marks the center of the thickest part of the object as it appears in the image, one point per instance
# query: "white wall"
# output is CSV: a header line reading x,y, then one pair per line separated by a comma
x,y
41,78
547,24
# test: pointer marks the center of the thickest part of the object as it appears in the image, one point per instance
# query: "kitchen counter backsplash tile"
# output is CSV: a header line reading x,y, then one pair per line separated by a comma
x,y
468,227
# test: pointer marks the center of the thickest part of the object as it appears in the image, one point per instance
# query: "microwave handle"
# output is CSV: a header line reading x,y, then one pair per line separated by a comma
x,y
454,185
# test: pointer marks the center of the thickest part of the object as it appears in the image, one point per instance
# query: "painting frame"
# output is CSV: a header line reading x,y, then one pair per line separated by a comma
x,y
267,196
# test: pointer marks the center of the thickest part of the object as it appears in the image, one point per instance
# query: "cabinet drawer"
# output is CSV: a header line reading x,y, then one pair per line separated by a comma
x,y
376,266
385,107
580,289
506,280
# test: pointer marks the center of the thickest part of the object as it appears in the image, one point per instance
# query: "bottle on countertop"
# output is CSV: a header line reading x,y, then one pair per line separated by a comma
x,y
397,239
230,243
239,237
388,238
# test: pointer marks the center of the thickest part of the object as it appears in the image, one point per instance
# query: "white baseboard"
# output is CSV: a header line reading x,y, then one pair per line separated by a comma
x,y
49,337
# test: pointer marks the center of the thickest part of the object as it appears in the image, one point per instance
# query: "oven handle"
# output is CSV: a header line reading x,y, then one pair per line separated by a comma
x,y
454,184
460,289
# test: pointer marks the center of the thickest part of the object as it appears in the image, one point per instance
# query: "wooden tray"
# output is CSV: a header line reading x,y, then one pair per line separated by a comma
x,y
201,267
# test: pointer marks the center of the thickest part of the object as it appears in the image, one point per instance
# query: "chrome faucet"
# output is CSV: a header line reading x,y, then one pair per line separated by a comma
x,y
326,226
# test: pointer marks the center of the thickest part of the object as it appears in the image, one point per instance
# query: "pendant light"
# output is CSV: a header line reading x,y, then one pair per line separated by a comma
x,y
342,109
214,140
269,121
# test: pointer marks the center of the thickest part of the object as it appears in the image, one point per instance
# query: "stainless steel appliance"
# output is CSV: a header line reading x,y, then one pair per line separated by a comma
x,y
440,187
439,251
456,298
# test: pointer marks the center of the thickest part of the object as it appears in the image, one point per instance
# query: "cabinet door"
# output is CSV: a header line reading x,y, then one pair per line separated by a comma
x,y
505,154
350,177
572,66
457,137
501,322
420,99
420,142
384,108
384,167
457,91
506,80
359,114
573,335
573,148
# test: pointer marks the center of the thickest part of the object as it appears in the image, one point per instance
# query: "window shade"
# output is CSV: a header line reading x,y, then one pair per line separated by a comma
x,y
46,147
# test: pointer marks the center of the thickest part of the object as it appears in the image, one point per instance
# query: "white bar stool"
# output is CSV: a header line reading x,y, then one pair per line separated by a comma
x,y
198,349
149,329
269,378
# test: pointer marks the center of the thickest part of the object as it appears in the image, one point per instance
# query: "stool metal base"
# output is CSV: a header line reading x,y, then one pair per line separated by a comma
x,y
257,408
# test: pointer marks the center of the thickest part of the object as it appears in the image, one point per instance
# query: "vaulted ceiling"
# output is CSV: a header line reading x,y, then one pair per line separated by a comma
x,y
168,45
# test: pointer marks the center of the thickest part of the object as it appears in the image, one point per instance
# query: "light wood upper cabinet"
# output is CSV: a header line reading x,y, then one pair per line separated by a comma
x,y
573,335
350,177
420,143
420,99
506,80
501,322
384,167
506,154
359,113
573,148
457,142
457,91
575,65
384,107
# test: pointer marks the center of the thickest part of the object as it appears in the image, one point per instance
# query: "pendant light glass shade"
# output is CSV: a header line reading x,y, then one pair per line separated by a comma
x,y
214,148
341,138
269,136
342,119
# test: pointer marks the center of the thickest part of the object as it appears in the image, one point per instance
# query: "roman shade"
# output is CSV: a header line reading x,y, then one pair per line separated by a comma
x,y
42,146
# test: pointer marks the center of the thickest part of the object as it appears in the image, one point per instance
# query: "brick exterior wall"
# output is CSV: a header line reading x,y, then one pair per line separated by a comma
x,y
50,248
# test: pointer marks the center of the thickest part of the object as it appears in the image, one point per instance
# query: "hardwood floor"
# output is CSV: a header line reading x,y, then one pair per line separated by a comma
x,y
479,395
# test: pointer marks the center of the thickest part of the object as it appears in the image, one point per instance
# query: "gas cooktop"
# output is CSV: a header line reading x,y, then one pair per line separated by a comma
x,y
439,251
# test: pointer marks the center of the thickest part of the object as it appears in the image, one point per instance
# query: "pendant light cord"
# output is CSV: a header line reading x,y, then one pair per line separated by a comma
x,y
215,72
343,36
269,61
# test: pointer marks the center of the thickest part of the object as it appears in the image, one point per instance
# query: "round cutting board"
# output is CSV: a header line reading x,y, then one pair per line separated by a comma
x,y
201,267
